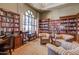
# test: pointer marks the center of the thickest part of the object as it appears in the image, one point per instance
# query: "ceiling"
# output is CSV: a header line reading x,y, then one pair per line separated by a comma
x,y
45,6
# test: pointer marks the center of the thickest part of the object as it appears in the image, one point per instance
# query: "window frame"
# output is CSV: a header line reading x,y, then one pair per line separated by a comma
x,y
33,25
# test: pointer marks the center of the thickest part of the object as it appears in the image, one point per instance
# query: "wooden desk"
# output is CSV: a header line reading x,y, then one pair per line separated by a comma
x,y
18,41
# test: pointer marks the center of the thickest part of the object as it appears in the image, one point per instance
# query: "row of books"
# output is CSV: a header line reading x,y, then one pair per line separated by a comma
x,y
10,29
10,25
69,32
4,19
69,24
44,28
69,28
72,20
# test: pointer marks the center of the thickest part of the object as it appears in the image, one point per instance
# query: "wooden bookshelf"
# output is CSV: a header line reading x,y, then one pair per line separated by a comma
x,y
70,25
44,26
55,26
9,21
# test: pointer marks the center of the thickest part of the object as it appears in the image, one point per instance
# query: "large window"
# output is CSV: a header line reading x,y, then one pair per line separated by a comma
x,y
30,22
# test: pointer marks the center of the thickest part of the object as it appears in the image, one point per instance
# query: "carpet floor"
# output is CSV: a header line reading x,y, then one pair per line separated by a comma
x,y
31,48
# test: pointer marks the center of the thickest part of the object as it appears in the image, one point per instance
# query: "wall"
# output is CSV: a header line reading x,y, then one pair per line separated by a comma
x,y
69,9
19,8
10,6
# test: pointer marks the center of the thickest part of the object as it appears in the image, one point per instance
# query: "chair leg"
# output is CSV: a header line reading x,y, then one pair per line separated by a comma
x,y
13,49
10,51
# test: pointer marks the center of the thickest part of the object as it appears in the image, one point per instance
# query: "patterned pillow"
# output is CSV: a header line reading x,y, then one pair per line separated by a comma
x,y
72,52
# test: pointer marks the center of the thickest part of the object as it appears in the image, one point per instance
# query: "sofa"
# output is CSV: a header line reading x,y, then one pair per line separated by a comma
x,y
65,48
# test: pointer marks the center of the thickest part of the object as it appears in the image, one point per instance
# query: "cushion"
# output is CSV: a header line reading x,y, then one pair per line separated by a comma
x,y
69,45
64,36
72,52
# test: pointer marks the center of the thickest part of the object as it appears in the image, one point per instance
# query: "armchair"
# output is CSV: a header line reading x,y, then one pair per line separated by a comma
x,y
44,38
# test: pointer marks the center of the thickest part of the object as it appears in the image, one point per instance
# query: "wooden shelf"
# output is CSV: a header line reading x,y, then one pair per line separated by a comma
x,y
8,20
70,24
44,25
54,26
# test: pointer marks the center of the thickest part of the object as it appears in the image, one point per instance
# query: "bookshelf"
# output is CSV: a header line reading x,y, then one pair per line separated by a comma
x,y
44,26
70,25
55,26
9,21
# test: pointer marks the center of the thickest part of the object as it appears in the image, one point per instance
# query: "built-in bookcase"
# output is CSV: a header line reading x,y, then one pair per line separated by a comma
x,y
44,25
54,26
70,25
9,21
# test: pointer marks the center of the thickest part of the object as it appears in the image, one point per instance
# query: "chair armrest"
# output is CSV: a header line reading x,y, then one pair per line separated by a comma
x,y
40,37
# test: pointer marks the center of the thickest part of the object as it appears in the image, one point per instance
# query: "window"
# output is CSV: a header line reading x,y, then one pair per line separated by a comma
x,y
30,22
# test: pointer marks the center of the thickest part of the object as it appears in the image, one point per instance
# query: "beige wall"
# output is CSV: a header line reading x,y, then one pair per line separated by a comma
x,y
68,9
19,8
10,6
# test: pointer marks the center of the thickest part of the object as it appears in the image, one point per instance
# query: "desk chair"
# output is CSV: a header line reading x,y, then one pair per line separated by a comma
x,y
8,46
